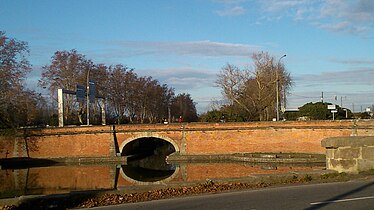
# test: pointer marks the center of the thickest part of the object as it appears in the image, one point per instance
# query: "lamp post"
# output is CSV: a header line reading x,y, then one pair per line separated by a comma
x,y
277,85
88,97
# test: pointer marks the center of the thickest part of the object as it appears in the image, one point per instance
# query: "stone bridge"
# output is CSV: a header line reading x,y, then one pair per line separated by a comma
x,y
185,138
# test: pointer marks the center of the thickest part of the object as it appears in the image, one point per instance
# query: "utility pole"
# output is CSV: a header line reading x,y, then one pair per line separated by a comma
x,y
353,107
322,97
341,101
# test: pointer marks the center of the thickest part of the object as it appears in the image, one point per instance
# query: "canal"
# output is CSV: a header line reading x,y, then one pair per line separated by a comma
x,y
139,173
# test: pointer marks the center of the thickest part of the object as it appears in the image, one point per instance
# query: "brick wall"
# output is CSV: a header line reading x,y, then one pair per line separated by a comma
x,y
193,138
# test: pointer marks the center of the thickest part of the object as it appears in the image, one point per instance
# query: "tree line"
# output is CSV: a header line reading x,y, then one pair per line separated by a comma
x,y
253,93
129,98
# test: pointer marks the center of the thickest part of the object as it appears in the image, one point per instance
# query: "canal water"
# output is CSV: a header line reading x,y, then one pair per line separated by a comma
x,y
137,174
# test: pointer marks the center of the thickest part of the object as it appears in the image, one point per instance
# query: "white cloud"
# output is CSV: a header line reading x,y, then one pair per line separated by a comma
x,y
197,48
183,77
198,82
230,1
282,5
233,11
341,16
358,77
353,61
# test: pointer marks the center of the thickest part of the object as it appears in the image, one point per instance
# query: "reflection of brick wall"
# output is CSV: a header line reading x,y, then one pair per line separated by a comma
x,y
13,182
193,138
70,178
56,179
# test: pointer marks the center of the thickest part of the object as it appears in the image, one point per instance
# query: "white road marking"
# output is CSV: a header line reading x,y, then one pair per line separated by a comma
x,y
342,200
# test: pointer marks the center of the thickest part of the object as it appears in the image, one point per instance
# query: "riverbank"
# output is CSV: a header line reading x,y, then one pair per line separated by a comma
x,y
127,195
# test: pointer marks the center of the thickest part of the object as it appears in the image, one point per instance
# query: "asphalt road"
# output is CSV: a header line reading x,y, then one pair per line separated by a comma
x,y
347,195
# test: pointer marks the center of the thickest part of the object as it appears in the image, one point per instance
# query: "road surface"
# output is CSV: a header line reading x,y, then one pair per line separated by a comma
x,y
346,195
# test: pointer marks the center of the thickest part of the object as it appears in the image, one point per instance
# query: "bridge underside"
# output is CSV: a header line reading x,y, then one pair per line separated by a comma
x,y
147,146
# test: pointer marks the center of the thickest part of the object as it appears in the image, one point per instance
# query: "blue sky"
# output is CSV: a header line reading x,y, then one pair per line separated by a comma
x,y
184,43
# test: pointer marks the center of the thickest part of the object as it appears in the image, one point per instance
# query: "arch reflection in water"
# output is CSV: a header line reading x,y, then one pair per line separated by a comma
x,y
149,170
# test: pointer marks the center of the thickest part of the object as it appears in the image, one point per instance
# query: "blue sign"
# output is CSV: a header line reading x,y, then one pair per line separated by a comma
x,y
92,92
80,93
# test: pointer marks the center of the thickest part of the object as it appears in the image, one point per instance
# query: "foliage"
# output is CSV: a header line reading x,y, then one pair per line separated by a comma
x,y
183,106
212,116
315,111
363,115
319,111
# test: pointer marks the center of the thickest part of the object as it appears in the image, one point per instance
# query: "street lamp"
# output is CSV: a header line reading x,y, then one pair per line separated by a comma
x,y
87,97
277,85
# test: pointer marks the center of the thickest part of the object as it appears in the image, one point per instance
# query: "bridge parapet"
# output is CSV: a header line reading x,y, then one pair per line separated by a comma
x,y
349,154
187,138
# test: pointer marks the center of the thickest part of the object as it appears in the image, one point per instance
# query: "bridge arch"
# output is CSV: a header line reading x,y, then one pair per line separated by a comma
x,y
147,135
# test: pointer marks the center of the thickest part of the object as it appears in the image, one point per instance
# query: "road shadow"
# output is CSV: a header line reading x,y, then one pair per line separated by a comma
x,y
339,197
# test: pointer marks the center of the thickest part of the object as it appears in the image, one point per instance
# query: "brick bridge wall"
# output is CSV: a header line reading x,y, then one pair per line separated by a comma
x,y
189,139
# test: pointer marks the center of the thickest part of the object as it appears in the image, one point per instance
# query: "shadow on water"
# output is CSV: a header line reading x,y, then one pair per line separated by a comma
x,y
25,162
145,174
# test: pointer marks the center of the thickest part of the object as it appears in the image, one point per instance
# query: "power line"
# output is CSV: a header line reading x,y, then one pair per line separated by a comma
x,y
304,96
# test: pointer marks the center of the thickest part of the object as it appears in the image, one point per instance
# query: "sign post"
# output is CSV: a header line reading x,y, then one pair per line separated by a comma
x,y
333,114
60,108
333,110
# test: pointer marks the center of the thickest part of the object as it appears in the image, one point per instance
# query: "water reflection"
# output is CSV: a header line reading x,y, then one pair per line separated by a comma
x,y
68,178
146,175
150,169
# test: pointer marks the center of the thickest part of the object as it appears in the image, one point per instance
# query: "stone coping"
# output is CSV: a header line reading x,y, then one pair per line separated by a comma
x,y
287,158
348,141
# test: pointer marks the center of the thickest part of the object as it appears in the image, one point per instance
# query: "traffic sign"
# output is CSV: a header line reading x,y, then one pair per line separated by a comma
x,y
92,92
80,93
331,106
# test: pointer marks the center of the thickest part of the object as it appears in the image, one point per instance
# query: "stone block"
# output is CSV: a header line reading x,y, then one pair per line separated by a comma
x,y
347,153
348,166
330,153
365,165
368,153
345,141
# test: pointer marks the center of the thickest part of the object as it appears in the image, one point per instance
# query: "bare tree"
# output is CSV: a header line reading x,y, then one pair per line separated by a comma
x,y
13,68
232,81
119,91
66,70
255,91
